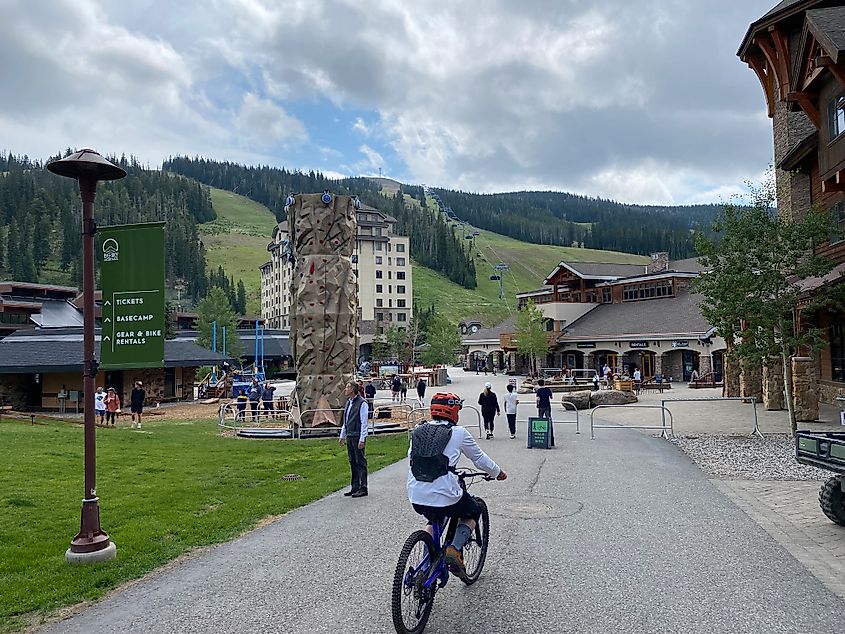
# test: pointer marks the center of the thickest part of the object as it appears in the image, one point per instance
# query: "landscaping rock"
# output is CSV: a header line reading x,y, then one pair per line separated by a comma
x,y
580,399
612,397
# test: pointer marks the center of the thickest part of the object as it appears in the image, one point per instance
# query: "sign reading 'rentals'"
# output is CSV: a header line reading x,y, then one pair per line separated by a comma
x,y
132,279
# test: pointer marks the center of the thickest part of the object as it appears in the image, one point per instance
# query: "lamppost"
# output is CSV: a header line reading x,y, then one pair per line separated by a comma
x,y
91,544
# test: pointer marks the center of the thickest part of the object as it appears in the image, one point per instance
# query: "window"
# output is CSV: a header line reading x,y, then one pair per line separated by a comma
x,y
400,261
550,325
378,259
390,261
836,117
379,316
837,222
390,303
379,275
379,302
400,275
401,317
400,248
378,246
606,297
378,231
400,290
647,290
378,288
836,335
390,275
400,303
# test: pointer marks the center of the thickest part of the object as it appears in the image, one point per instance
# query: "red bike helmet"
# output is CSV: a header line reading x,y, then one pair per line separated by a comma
x,y
446,405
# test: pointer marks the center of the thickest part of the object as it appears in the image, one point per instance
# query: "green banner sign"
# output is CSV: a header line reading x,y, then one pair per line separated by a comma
x,y
132,279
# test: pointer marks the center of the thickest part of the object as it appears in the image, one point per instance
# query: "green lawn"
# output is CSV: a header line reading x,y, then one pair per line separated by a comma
x,y
174,487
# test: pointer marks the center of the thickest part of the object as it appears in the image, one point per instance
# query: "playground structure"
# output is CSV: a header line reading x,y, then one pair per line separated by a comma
x,y
227,382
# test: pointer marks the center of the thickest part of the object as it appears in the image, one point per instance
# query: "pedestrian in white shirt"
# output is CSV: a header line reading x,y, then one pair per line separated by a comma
x,y
511,401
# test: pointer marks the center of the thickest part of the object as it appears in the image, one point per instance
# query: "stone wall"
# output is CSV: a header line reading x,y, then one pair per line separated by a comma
x,y
805,389
751,380
793,189
774,397
829,390
731,378
12,391
704,365
672,365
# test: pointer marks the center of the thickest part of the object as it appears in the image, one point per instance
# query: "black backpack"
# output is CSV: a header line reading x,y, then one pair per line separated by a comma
x,y
427,444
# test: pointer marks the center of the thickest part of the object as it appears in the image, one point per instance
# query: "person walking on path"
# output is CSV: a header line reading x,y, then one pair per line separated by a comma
x,y
354,431
544,406
511,400
421,391
112,406
100,405
267,400
254,396
403,390
395,387
136,402
370,395
489,408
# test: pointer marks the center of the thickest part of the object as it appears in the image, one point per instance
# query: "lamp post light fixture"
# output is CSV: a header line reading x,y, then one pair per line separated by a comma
x,y
91,544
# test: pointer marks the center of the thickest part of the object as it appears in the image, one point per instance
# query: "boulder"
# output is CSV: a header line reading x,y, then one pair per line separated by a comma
x,y
612,397
580,400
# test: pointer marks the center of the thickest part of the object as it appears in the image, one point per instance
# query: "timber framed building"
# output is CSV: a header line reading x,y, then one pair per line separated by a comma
x,y
797,50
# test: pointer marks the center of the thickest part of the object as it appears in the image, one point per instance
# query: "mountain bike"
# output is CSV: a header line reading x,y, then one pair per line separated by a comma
x,y
421,570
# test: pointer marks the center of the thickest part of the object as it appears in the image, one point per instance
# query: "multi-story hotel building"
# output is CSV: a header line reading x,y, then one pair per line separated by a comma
x,y
382,265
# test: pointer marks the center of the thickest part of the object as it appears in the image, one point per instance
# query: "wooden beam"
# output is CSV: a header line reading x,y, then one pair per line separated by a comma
x,y
835,183
758,65
775,65
807,103
782,47
836,69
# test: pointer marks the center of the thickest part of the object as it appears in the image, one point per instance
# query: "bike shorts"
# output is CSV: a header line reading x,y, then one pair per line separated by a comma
x,y
465,509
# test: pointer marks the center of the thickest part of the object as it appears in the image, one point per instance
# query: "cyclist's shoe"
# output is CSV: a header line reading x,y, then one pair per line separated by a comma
x,y
455,563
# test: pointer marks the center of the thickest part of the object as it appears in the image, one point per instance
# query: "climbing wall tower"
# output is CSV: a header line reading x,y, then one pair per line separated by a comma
x,y
324,304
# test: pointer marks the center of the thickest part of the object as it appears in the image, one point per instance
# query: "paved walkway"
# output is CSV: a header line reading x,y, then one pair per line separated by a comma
x,y
622,534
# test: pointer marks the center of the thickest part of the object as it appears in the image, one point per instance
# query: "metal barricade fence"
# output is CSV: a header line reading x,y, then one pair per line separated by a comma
x,y
755,432
420,414
231,417
569,422
662,427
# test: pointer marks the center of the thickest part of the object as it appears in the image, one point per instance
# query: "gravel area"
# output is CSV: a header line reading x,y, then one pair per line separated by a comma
x,y
745,458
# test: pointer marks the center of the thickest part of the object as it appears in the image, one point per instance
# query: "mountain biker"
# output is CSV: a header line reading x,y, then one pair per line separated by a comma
x,y
433,486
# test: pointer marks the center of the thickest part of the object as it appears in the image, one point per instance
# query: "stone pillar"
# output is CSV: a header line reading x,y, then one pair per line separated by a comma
x,y
730,387
704,364
805,389
324,303
773,390
751,380
658,364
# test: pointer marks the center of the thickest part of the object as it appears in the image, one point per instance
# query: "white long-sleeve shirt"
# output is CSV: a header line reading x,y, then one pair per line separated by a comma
x,y
446,490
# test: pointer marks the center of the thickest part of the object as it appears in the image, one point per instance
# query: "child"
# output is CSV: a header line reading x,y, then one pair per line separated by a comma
x,y
100,405
112,406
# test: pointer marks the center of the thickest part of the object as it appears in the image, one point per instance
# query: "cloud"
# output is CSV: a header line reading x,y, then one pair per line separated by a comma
x,y
641,100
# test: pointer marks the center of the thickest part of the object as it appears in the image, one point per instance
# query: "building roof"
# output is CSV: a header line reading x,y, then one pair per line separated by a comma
x,y
507,326
814,283
688,265
60,350
8,287
678,316
57,314
828,27
598,270
780,11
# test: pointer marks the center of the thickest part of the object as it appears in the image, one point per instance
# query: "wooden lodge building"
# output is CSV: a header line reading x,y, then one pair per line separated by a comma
x,y
797,50
625,315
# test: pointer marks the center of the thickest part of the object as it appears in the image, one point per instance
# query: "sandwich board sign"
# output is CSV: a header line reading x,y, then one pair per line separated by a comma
x,y
539,433
132,279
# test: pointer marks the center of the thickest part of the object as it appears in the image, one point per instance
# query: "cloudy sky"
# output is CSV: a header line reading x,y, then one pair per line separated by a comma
x,y
637,100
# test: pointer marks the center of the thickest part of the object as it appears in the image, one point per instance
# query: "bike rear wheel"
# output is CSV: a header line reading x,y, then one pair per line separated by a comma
x,y
411,603
475,550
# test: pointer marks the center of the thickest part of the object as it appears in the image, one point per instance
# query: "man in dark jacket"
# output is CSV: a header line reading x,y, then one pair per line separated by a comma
x,y
370,393
489,408
136,402
254,396
353,430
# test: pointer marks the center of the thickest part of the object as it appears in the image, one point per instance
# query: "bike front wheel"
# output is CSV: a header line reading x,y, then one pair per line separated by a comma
x,y
475,550
411,602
